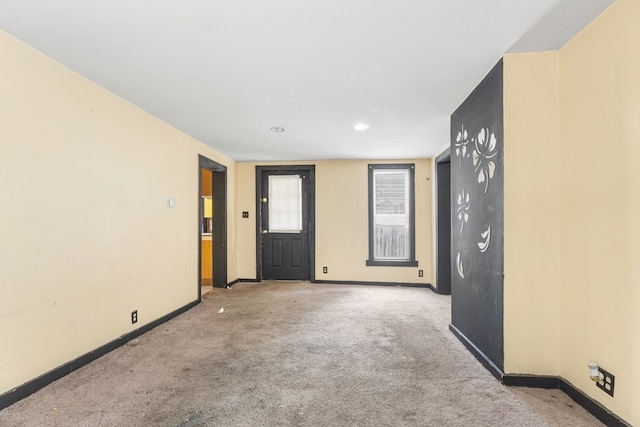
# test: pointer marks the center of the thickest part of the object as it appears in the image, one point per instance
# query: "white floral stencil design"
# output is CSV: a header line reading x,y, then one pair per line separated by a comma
x,y
461,143
459,265
485,150
486,235
463,209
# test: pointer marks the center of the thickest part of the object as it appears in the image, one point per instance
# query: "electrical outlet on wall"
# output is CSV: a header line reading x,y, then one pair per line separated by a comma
x,y
325,270
420,273
608,382
134,317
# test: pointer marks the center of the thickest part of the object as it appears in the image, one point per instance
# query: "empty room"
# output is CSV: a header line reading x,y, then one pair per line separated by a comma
x,y
319,213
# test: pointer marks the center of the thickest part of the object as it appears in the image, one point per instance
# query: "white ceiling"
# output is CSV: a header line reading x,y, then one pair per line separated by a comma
x,y
225,72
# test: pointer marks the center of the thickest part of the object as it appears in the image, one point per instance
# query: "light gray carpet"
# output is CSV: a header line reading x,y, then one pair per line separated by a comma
x,y
289,354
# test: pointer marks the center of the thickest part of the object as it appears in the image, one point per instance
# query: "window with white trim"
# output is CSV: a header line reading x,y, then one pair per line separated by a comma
x,y
391,215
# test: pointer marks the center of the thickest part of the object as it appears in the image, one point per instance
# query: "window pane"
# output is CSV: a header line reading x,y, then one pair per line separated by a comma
x,y
285,203
391,192
391,243
391,215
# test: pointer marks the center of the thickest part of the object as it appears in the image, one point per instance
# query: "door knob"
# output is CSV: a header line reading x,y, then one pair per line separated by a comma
x,y
265,231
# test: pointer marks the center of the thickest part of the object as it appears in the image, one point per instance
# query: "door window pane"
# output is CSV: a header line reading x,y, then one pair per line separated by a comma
x,y
285,204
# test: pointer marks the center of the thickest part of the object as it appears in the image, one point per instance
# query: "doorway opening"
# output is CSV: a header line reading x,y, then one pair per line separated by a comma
x,y
212,225
443,223
285,222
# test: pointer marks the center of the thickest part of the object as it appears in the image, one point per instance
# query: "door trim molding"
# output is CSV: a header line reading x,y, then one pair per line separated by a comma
x,y
311,169
441,214
219,243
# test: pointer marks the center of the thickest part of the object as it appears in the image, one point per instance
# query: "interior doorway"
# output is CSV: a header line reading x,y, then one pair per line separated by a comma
x,y
443,223
212,225
285,236
206,237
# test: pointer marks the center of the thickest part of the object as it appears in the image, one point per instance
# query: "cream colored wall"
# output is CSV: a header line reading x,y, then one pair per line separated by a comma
x,y
246,227
572,138
600,205
531,224
86,234
342,234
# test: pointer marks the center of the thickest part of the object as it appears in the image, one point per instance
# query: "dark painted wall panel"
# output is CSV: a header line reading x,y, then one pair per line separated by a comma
x,y
477,200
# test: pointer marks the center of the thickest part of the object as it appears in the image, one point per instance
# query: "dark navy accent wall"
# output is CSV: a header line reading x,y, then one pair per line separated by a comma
x,y
477,218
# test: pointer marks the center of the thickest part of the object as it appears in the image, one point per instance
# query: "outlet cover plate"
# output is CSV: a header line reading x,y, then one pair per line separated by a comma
x,y
608,383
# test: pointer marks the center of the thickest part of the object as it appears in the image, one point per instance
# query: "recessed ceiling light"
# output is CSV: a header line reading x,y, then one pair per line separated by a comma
x,y
278,129
361,126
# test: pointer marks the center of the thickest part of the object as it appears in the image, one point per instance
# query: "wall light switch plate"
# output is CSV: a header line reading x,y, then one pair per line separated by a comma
x,y
171,202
